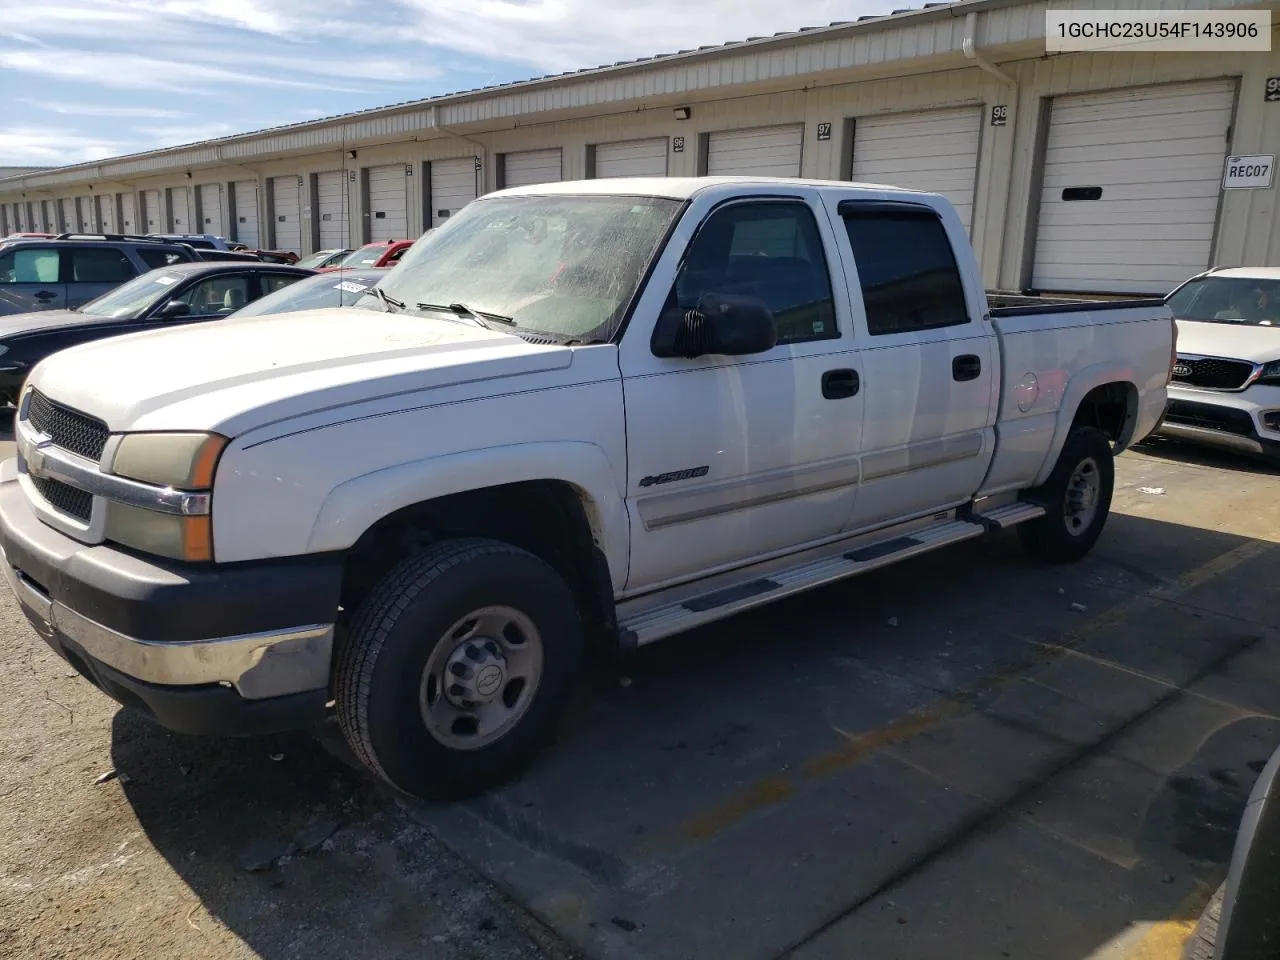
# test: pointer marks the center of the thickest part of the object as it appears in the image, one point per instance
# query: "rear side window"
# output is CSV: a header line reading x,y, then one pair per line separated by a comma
x,y
272,282
29,265
160,258
100,265
907,269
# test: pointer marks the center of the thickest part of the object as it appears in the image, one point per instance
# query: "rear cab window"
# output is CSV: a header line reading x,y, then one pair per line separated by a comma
x,y
906,267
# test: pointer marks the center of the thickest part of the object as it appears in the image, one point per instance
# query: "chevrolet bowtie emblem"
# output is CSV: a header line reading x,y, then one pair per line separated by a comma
x,y
35,458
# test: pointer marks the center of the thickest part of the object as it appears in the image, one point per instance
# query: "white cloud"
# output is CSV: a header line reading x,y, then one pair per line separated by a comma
x,y
103,110
569,34
128,71
22,146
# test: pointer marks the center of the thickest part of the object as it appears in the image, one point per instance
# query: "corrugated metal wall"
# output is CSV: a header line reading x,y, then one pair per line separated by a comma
x,y
1006,180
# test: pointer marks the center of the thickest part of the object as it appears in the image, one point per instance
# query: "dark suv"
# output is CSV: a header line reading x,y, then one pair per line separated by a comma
x,y
69,270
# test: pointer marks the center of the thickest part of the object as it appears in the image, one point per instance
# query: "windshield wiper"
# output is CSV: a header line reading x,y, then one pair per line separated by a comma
x,y
393,305
462,310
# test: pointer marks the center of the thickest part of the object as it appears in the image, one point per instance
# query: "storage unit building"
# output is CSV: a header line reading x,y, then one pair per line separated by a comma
x,y
633,158
934,150
1131,182
286,213
333,213
209,218
244,218
762,152
387,204
528,167
453,186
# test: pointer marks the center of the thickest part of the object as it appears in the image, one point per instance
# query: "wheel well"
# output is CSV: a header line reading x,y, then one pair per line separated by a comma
x,y
1113,409
549,518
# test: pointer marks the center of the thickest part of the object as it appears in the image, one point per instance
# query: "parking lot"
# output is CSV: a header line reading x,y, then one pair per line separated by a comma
x,y
959,756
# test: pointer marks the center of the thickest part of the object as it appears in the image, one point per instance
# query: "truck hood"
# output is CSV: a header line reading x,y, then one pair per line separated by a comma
x,y
1235,341
236,374
19,323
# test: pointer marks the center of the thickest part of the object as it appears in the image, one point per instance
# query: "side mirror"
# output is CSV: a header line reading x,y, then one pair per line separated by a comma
x,y
721,325
174,308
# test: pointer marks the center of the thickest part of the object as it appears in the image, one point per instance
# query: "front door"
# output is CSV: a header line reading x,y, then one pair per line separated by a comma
x,y
731,458
929,358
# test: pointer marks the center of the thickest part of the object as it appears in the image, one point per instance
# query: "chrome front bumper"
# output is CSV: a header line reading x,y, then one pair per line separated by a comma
x,y
258,666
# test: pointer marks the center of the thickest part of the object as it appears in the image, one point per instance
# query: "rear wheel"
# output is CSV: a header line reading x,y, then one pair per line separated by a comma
x,y
1076,498
457,668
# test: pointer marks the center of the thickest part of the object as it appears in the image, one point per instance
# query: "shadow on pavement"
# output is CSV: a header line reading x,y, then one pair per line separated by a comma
x,y
741,788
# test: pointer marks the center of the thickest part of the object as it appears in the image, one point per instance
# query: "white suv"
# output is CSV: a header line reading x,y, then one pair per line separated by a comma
x,y
1226,382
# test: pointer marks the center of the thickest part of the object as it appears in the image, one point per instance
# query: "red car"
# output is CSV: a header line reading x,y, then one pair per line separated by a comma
x,y
384,253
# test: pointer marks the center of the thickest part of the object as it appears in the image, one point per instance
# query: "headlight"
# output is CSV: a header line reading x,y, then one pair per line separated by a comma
x,y
1270,374
184,461
181,461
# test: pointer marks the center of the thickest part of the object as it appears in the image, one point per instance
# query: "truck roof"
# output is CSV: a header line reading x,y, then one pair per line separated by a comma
x,y
684,188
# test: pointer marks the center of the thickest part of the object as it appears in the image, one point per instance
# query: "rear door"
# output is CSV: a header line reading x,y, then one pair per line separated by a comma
x,y
31,279
92,271
930,381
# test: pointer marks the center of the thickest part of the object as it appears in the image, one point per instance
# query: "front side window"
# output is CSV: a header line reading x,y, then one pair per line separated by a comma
x,y
564,266
907,269
29,265
770,251
217,295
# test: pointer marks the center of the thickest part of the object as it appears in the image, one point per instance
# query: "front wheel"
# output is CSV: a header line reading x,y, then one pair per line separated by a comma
x,y
1076,498
457,668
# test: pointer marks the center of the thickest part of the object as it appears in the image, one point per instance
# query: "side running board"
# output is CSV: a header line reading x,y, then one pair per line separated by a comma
x,y
654,616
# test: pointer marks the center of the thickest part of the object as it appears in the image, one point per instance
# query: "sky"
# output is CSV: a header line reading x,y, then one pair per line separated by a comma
x,y
81,80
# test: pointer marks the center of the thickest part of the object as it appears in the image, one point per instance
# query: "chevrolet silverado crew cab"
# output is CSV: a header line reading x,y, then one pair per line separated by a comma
x,y
605,411
1225,390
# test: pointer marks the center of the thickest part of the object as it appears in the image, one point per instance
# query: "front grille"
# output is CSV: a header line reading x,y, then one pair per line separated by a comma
x,y
1210,417
81,434
67,499
1212,372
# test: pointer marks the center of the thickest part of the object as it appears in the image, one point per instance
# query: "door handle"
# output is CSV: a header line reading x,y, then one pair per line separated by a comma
x,y
838,384
44,296
966,367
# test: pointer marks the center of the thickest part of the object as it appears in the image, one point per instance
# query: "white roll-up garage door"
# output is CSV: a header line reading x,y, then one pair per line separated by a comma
x,y
332,208
529,167
245,226
105,214
286,214
763,152
635,158
1130,193
211,216
152,219
453,186
388,203
180,211
128,213
934,150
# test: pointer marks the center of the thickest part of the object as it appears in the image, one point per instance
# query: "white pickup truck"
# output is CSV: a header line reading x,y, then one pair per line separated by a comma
x,y
603,411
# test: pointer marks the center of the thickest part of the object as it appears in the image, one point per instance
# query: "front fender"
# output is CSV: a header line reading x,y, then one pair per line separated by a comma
x,y
357,504
1077,388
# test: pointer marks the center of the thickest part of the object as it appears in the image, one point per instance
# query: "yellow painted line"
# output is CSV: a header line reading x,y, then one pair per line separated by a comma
x,y
856,747
1161,939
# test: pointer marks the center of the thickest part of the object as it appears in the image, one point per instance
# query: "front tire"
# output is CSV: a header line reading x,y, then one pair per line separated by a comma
x,y
457,668
1076,498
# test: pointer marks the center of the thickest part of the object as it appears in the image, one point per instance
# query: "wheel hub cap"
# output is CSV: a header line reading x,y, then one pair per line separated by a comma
x,y
476,673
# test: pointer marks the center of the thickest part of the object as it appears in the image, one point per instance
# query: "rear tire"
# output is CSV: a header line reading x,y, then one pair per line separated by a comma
x,y
1076,498
457,668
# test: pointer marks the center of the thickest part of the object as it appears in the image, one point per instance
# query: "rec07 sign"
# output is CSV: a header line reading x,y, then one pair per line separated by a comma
x,y
1249,173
